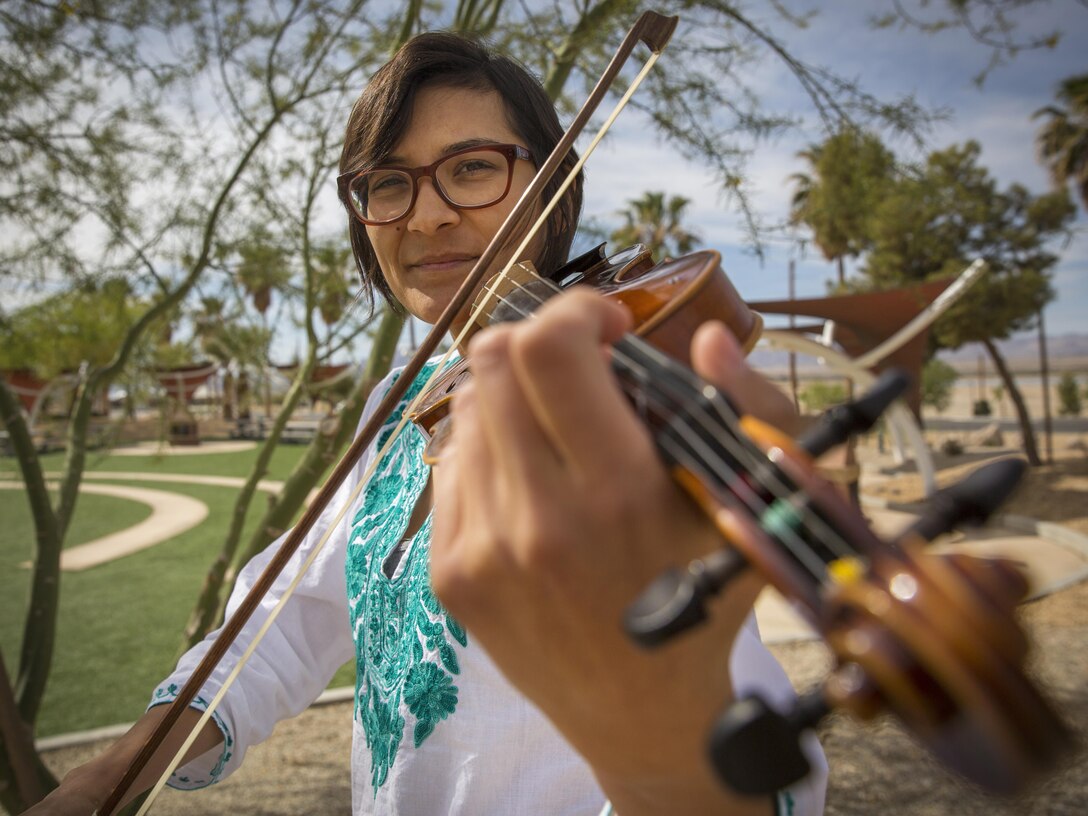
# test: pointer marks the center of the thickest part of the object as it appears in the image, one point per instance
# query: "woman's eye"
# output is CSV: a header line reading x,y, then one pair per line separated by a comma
x,y
475,167
387,184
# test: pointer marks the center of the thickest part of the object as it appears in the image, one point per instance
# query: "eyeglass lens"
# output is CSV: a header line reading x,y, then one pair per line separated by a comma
x,y
473,179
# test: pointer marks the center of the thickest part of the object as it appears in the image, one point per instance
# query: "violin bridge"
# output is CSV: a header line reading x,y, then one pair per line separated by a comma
x,y
511,295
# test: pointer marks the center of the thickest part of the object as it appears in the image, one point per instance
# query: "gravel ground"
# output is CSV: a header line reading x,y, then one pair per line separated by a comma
x,y
875,768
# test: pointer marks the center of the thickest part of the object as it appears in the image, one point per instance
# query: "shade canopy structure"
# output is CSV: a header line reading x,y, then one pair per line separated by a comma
x,y
181,383
864,322
25,385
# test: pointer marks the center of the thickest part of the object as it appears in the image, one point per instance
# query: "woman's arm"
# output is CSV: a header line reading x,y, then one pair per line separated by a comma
x,y
85,788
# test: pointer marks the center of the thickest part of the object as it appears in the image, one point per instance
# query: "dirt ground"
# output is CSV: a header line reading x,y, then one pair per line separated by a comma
x,y
875,768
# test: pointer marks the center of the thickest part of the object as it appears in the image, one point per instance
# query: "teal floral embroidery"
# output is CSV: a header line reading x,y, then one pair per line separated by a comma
x,y
431,696
406,656
383,728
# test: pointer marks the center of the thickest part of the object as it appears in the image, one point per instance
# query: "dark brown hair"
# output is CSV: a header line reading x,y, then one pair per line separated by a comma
x,y
382,113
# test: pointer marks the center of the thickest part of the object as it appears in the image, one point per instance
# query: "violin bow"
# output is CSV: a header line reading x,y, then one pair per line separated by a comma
x,y
651,28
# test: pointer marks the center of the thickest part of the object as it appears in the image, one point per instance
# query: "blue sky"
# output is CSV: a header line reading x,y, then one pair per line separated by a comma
x,y
939,69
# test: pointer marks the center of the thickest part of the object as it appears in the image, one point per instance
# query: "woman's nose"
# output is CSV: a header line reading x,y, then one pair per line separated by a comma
x,y
431,212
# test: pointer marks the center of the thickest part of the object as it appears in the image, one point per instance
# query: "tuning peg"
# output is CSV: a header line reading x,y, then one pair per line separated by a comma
x,y
970,502
676,600
843,421
757,750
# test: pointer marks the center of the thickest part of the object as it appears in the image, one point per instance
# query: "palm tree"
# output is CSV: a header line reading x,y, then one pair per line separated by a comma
x,y
262,268
1063,139
655,222
334,268
836,197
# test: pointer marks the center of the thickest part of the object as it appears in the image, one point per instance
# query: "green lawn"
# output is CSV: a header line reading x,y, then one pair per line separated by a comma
x,y
209,464
95,517
120,623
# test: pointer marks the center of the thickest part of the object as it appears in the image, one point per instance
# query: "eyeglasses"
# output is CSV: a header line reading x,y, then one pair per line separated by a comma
x,y
468,179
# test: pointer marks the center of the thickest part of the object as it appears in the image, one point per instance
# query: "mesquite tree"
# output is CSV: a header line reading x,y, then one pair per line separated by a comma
x,y
118,162
934,222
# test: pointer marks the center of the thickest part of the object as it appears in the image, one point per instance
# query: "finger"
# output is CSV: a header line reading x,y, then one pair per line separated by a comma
x,y
517,443
464,491
571,386
454,481
717,357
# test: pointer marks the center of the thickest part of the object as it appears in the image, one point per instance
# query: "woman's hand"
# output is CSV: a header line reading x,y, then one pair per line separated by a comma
x,y
552,512
84,789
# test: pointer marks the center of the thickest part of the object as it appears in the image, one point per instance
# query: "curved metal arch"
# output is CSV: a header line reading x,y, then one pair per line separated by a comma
x,y
900,418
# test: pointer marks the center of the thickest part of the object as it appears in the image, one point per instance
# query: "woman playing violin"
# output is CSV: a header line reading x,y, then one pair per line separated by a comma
x,y
492,673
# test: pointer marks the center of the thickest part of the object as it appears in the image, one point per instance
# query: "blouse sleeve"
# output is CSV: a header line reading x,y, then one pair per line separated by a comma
x,y
307,642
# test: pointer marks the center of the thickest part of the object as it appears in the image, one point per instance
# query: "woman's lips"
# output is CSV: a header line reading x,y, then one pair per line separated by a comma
x,y
444,263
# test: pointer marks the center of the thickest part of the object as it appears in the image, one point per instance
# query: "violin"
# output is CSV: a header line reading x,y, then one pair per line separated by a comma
x,y
931,639
676,297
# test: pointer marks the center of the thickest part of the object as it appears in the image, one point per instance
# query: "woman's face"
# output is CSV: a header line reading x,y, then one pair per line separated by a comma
x,y
425,256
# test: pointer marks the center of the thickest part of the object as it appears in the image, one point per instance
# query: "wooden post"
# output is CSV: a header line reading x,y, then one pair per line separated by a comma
x,y
982,395
1045,368
793,355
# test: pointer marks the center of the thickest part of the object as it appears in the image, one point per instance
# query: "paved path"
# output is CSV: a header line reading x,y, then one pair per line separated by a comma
x,y
267,485
160,449
1051,562
171,513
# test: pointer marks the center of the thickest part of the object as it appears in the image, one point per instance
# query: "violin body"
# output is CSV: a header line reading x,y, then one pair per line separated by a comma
x,y
668,301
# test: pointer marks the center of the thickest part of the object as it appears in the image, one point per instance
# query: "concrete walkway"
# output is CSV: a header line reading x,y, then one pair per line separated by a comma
x,y
166,449
171,513
1054,557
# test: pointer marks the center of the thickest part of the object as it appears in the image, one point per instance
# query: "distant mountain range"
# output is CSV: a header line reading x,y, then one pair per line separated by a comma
x,y
1024,348
1065,352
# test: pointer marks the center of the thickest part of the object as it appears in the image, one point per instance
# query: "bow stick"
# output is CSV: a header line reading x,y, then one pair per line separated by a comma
x,y
651,28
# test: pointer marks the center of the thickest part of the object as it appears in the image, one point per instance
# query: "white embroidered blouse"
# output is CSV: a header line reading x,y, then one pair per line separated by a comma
x,y
436,728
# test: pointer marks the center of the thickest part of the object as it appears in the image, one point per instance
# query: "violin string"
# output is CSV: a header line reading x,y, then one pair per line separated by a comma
x,y
804,555
716,464
404,420
698,457
755,462
811,521
729,418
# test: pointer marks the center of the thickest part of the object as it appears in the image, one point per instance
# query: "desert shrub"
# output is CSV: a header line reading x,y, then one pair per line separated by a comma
x,y
820,395
1069,403
938,377
952,447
